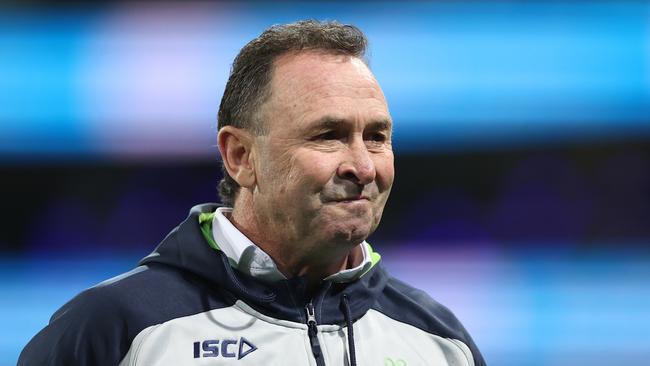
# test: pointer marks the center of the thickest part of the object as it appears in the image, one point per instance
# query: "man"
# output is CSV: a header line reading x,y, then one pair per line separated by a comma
x,y
282,275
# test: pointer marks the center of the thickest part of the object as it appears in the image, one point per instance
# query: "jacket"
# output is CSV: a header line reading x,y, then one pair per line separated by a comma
x,y
186,305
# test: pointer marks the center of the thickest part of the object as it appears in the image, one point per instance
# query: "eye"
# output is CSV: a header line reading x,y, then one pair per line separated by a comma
x,y
328,135
377,137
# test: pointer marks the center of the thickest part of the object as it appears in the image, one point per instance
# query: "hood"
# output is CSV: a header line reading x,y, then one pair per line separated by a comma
x,y
185,248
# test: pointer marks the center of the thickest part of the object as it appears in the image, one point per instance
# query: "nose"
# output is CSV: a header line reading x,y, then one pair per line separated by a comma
x,y
358,165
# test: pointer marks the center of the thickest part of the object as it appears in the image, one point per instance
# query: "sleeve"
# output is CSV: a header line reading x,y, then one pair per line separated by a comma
x,y
88,330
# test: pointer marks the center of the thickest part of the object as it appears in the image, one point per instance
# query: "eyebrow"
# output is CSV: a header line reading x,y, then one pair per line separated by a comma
x,y
329,122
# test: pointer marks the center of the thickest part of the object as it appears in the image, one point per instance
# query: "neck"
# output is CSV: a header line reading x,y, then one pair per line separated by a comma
x,y
294,256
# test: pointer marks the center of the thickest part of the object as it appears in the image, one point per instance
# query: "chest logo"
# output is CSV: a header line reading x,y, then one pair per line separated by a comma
x,y
390,362
228,348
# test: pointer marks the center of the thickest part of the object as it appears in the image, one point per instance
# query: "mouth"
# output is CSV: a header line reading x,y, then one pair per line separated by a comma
x,y
353,199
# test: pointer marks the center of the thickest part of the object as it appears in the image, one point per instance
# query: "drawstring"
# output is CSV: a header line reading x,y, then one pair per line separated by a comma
x,y
233,278
348,321
271,297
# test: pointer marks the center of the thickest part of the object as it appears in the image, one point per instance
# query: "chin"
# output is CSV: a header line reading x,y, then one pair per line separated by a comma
x,y
351,234
346,227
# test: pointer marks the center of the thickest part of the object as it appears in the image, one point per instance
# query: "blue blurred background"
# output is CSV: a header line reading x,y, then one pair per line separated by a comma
x,y
522,141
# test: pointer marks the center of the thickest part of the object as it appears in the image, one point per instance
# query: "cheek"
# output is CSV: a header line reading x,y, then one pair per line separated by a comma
x,y
315,169
385,172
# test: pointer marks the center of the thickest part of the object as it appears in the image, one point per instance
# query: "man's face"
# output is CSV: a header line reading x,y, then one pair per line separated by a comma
x,y
325,168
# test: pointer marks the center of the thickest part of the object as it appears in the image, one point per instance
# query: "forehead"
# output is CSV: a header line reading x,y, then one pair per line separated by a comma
x,y
309,66
308,85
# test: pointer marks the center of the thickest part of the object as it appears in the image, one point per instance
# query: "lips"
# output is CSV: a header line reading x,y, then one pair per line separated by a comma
x,y
350,199
345,192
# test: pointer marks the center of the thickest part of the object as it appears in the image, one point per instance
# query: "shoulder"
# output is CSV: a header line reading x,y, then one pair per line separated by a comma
x,y
97,326
411,306
144,296
154,293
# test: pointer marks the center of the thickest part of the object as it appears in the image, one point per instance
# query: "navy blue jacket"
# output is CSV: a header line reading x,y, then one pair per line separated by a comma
x,y
184,304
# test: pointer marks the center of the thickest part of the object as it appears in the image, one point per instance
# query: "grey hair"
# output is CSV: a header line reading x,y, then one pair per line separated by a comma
x,y
248,86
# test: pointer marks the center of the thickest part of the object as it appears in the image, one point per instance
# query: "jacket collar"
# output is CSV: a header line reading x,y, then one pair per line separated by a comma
x,y
249,258
185,249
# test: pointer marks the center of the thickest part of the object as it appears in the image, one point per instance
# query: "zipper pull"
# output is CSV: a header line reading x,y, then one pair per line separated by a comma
x,y
313,335
311,318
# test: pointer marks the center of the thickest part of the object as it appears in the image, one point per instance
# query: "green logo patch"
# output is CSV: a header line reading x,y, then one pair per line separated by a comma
x,y
397,362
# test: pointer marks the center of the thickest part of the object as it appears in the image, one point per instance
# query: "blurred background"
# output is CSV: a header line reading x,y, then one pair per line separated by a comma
x,y
522,142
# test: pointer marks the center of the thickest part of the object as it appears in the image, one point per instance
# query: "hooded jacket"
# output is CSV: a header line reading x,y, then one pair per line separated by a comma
x,y
185,305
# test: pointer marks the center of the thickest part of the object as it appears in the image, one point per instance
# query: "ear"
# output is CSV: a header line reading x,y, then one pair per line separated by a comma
x,y
235,146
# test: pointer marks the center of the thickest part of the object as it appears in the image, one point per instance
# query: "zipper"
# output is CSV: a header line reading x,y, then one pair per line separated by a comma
x,y
313,335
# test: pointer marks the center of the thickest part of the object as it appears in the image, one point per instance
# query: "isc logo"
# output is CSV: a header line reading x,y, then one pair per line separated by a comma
x,y
225,348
